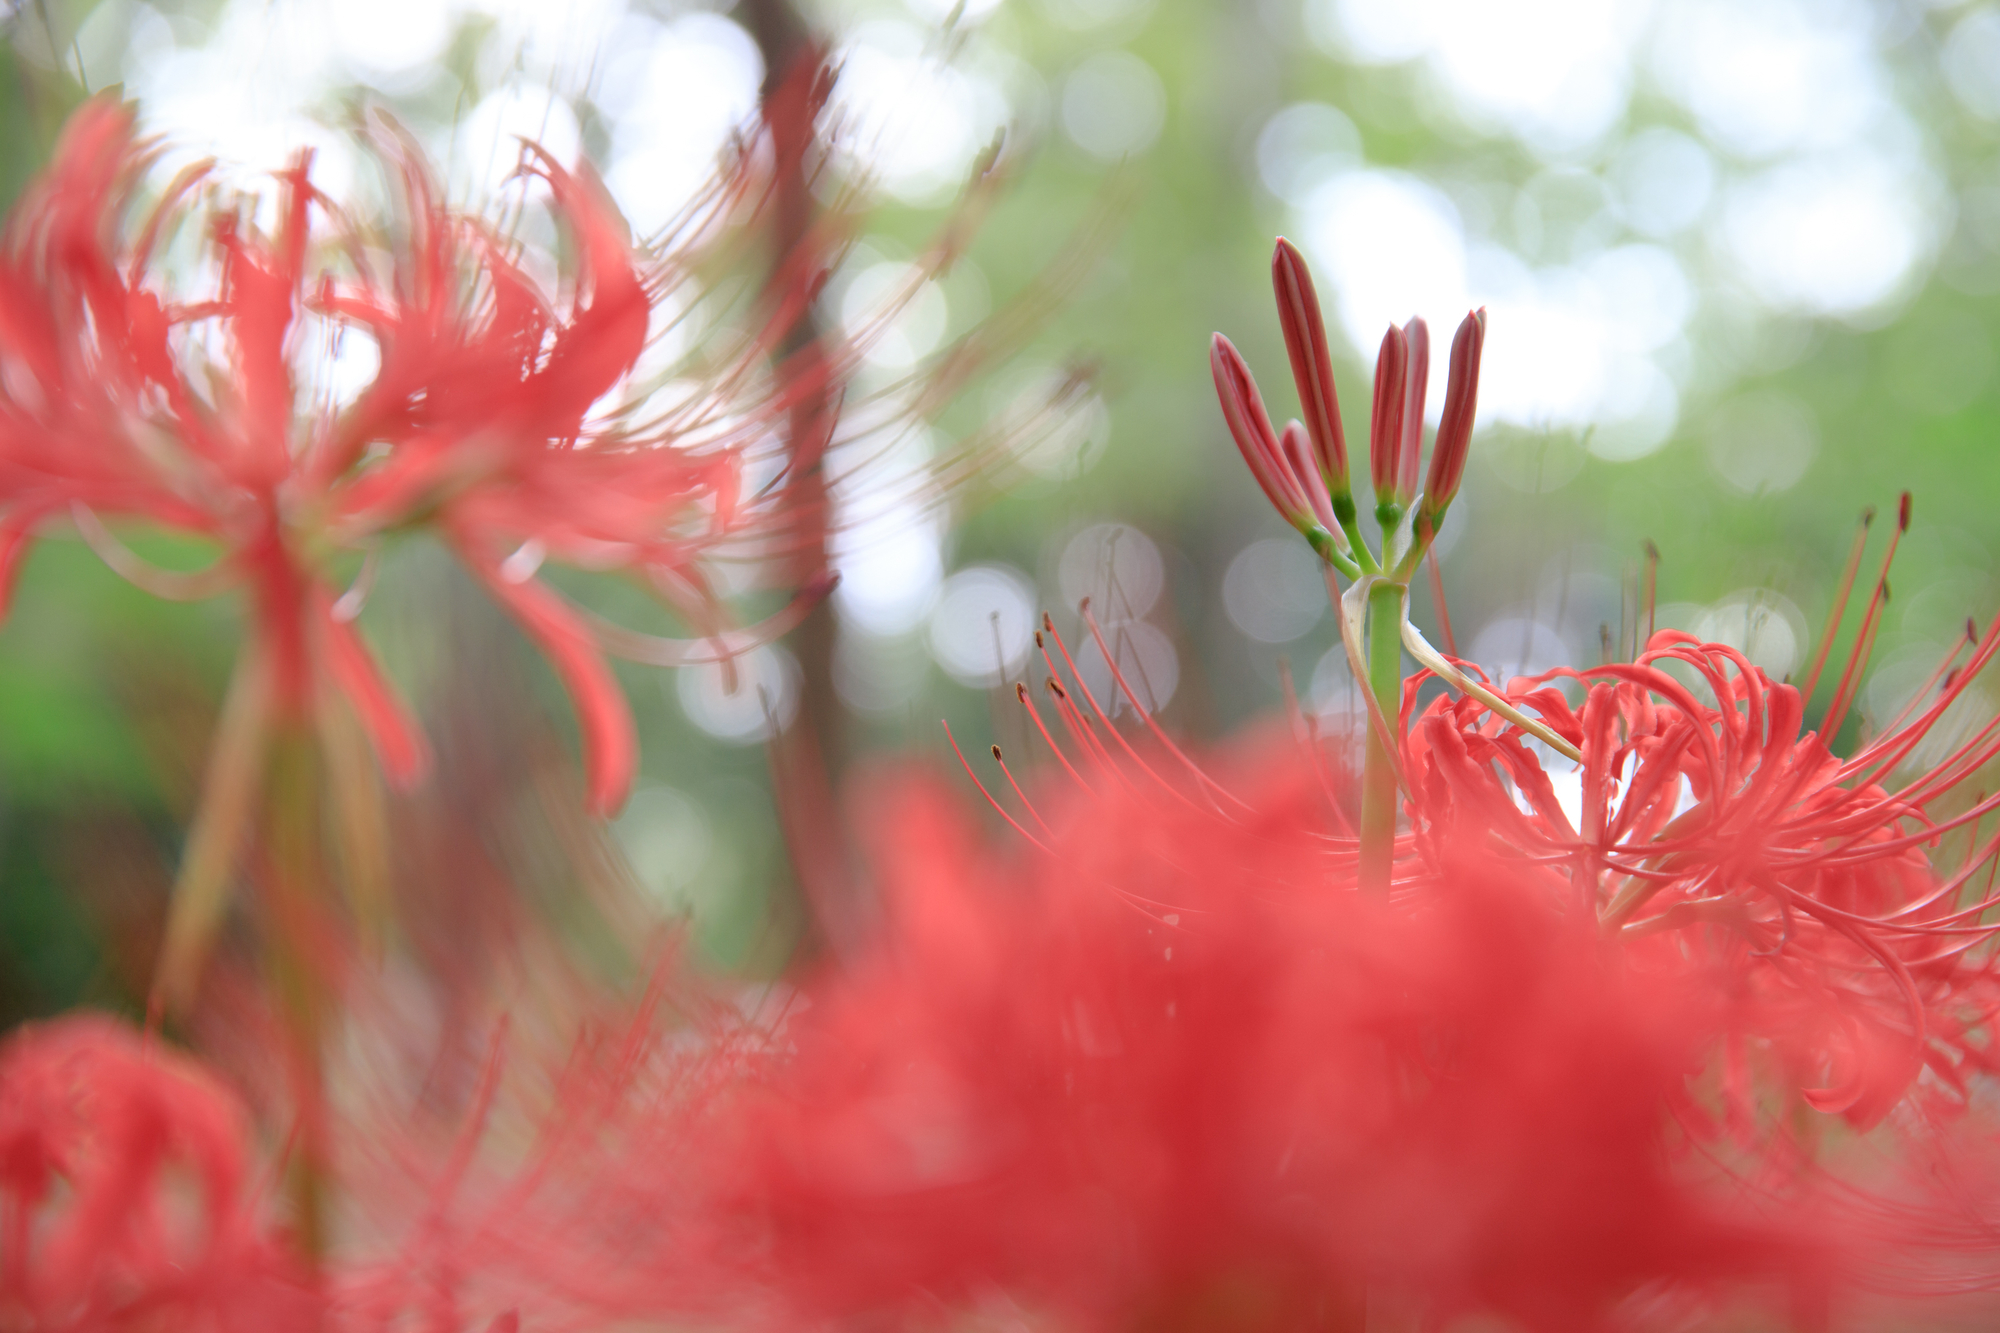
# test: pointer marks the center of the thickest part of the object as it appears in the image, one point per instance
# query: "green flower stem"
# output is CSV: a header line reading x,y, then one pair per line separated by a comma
x,y
1378,776
295,883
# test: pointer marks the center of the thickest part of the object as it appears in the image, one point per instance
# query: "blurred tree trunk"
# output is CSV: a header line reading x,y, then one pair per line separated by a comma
x,y
809,754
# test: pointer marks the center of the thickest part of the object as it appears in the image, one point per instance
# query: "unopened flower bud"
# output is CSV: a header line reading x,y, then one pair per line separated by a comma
x,y
1417,335
1250,426
1385,431
1454,436
1312,365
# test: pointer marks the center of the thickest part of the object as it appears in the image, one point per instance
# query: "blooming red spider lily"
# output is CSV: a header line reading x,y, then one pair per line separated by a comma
x,y
128,1193
161,364
1709,811
126,398
1804,887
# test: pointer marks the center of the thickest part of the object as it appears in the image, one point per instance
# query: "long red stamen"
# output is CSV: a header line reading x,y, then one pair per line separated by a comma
x,y
1111,660
1834,616
1026,804
1850,679
1888,750
982,789
1865,639
1049,625
1072,717
1021,693
1651,598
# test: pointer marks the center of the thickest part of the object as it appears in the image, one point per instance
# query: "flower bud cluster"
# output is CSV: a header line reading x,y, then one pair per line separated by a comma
x,y
1304,470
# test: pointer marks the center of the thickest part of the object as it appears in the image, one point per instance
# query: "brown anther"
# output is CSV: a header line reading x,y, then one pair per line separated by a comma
x,y
996,753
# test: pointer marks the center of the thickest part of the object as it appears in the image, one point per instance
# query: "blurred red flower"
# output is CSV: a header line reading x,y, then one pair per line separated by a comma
x,y
207,412
128,1197
1172,1071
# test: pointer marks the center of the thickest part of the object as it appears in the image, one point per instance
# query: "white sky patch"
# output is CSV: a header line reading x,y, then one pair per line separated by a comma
x,y
1146,659
1664,181
1116,566
984,625
1113,104
674,93
391,39
891,565
247,96
1567,346
937,11
1517,646
765,696
1303,146
914,120
897,318
485,148
1832,234
1805,183
1972,62
1273,590
888,541
558,43
1554,73
1764,626
1767,76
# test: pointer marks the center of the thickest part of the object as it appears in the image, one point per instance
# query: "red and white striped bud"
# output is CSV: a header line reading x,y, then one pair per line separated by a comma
x,y
1385,429
1454,437
1250,426
1312,364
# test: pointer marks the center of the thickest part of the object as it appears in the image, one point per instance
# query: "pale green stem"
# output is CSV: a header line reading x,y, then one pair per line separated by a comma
x,y
1378,776
296,881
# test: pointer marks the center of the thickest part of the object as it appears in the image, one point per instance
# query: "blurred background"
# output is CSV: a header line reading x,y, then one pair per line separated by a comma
x,y
1741,259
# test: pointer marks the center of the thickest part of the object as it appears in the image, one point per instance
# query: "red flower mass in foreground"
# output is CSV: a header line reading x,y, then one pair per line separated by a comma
x,y
1173,1072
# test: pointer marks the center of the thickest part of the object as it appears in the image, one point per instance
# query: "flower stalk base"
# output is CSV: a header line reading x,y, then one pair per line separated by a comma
x,y
1378,774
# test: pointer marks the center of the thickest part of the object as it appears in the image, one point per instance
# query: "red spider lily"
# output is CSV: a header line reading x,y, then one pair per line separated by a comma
x,y
126,1192
1163,1071
486,421
1803,878
1801,888
475,422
